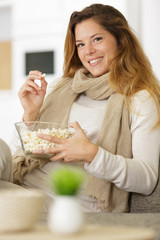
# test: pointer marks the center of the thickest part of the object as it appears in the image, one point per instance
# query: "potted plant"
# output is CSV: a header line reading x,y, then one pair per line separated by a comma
x,y
65,215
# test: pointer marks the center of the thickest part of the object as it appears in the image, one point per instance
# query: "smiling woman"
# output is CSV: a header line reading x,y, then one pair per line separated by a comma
x,y
107,88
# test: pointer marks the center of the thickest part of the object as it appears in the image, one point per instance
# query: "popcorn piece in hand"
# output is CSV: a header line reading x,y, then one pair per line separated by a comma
x,y
43,75
38,82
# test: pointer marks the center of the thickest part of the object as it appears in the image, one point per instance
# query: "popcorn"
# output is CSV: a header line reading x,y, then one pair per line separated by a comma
x,y
32,142
37,81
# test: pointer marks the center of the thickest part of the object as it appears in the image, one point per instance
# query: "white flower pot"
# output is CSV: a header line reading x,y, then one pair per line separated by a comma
x,y
65,215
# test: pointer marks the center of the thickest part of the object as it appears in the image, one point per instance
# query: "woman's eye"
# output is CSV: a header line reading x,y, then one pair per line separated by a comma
x,y
79,45
97,39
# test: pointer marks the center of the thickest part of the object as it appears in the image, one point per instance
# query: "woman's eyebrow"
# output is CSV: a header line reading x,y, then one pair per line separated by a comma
x,y
92,36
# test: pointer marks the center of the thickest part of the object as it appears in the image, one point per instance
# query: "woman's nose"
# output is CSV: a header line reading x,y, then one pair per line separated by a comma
x,y
90,49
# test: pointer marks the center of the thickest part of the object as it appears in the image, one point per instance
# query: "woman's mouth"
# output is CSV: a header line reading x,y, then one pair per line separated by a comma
x,y
94,61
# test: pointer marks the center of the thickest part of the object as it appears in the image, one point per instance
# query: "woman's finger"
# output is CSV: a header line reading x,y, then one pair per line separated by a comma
x,y
41,83
56,153
35,72
54,150
77,127
32,84
30,89
57,157
51,138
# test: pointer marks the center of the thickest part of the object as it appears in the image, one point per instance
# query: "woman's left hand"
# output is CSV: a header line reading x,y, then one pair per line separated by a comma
x,y
73,149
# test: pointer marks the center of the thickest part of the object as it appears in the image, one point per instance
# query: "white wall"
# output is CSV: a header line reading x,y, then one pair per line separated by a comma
x,y
5,17
41,24
150,32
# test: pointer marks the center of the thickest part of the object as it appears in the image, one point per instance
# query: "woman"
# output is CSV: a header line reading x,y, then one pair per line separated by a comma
x,y
108,89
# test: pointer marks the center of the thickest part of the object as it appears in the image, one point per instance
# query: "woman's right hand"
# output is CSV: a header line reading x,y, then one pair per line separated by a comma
x,y
32,96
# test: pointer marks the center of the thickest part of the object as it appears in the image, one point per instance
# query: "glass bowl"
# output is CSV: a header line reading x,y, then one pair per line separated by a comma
x,y
30,142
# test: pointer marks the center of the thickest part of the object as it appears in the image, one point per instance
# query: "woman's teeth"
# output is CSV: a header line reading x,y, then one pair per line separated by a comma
x,y
95,60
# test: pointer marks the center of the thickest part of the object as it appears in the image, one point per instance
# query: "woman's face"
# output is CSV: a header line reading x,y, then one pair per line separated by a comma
x,y
95,46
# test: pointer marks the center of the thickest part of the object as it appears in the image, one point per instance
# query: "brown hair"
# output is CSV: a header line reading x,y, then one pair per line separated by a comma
x,y
130,69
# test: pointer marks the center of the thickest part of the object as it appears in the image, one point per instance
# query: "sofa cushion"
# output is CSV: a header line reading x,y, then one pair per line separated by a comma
x,y
145,204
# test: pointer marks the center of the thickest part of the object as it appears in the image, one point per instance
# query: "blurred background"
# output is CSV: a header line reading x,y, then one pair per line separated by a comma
x,y
32,34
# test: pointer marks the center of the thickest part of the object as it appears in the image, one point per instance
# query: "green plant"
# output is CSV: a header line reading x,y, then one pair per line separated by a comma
x,y
66,180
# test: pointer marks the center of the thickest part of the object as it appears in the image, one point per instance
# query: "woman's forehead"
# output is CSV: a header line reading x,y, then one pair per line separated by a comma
x,y
88,28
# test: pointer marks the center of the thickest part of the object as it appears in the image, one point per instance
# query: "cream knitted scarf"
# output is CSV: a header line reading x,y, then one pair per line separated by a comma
x,y
115,135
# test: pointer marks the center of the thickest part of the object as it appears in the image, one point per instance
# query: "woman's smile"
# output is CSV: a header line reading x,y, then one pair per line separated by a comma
x,y
95,61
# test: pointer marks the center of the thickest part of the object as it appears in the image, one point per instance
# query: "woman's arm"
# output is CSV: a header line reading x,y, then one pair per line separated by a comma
x,y
140,173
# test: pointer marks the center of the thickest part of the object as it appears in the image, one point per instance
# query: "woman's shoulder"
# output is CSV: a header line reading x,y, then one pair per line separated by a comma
x,y
142,98
143,104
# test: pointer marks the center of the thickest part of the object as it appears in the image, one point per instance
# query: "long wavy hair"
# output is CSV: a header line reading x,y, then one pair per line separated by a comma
x,y
130,69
